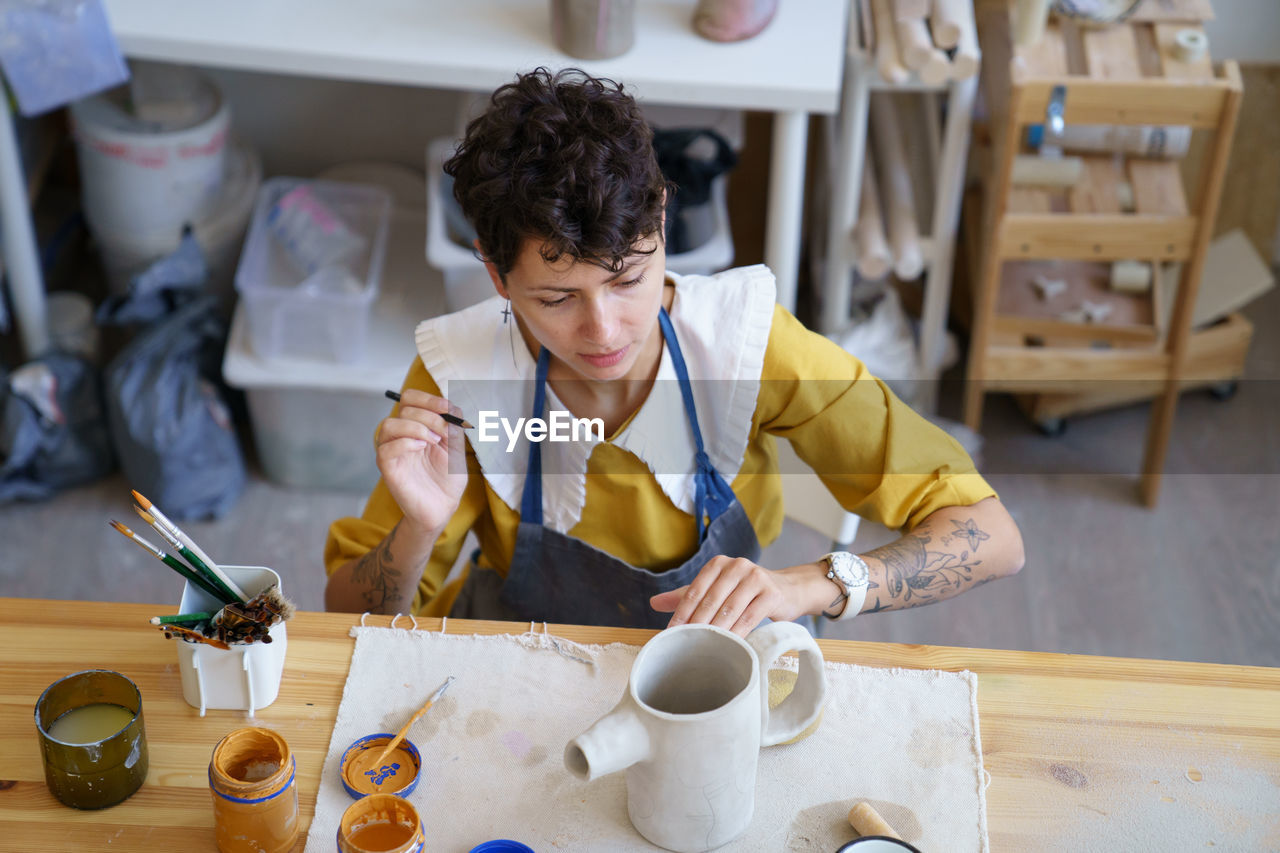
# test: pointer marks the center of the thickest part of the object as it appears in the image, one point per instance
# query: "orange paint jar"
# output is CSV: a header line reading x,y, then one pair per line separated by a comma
x,y
255,794
380,823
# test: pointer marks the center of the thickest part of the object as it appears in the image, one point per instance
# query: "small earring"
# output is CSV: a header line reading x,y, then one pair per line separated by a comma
x,y
506,312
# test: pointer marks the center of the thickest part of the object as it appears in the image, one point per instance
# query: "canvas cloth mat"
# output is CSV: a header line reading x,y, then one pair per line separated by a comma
x,y
493,746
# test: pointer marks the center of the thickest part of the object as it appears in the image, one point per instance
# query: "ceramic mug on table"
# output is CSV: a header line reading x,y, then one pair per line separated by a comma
x,y
690,726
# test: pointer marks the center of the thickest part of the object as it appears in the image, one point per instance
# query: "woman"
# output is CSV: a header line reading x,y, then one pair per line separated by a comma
x,y
656,515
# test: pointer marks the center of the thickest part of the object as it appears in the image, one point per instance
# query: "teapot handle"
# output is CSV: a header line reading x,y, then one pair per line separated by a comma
x,y
798,711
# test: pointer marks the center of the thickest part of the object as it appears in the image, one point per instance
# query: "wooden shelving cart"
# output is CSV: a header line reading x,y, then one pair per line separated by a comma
x,y
1127,74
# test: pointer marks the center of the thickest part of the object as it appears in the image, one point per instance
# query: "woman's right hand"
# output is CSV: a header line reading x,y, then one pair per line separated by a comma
x,y
421,459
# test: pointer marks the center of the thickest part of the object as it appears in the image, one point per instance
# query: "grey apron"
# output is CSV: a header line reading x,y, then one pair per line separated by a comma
x,y
557,578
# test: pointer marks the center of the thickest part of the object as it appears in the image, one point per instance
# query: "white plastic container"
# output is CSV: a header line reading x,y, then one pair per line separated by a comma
x,y
220,231
245,677
313,421
466,281
151,154
324,315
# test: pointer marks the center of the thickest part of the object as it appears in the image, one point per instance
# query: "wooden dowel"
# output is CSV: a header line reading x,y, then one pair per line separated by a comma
x,y
872,256
867,821
1030,170
897,196
945,22
888,62
905,9
914,44
967,57
919,54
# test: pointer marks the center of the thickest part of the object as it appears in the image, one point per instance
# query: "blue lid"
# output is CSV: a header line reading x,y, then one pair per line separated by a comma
x,y
502,845
1035,135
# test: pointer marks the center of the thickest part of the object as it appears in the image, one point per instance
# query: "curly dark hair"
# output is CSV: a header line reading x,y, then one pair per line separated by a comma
x,y
565,159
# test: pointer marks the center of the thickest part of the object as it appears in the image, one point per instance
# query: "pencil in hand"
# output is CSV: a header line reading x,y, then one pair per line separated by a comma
x,y
448,418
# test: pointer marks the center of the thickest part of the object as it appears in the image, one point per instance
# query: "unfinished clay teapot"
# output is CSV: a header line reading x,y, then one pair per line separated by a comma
x,y
690,725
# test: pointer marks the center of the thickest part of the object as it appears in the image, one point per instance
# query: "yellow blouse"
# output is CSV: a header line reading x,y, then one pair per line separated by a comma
x,y
879,458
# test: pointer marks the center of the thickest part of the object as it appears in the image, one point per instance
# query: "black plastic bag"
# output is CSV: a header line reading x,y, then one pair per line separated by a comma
x,y
53,431
169,421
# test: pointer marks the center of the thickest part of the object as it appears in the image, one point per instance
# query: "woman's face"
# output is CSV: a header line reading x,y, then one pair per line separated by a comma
x,y
599,324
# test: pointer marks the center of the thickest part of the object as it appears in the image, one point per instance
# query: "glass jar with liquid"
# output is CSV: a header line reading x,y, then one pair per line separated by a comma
x,y
380,823
255,793
92,738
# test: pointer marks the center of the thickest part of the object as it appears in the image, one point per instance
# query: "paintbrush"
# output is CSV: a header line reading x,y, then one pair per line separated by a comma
x,y
229,591
186,540
180,618
171,562
448,418
171,631
416,714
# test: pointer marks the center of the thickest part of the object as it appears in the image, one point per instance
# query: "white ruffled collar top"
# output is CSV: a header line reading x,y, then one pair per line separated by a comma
x,y
722,323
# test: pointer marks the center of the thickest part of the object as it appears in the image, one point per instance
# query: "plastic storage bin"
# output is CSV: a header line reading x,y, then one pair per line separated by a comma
x,y
466,281
324,315
313,420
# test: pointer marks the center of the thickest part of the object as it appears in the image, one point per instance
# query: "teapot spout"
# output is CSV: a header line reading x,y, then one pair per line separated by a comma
x,y
616,741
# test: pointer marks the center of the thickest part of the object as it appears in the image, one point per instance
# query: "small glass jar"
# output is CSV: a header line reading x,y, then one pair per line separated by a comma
x,y
99,759
255,793
380,823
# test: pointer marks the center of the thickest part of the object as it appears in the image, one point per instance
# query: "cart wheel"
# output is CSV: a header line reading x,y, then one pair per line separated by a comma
x,y
1224,390
1053,427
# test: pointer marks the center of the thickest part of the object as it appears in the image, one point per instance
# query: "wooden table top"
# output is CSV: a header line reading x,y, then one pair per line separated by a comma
x,y
1080,749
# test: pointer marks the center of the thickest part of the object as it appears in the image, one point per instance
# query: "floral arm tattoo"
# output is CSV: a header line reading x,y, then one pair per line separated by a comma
x,y
376,570
927,566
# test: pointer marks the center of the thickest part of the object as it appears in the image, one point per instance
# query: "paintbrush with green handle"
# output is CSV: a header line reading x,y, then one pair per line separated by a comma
x,y
173,563
162,521
226,594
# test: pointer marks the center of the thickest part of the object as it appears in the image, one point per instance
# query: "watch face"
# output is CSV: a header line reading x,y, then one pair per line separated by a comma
x,y
849,569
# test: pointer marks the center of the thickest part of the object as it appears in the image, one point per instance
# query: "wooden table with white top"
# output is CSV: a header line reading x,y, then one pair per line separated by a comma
x,y
1081,750
792,69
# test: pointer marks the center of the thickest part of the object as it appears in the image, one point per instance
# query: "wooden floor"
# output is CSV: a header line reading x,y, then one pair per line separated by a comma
x,y
1196,579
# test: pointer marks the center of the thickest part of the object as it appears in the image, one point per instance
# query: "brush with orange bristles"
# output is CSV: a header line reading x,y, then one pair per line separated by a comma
x,y
171,562
190,551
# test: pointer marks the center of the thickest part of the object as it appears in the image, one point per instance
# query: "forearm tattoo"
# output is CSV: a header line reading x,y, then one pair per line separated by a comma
x,y
925,566
376,571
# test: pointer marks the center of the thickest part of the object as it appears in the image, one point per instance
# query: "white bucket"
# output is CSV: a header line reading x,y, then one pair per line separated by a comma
x,y
151,154
220,233
245,677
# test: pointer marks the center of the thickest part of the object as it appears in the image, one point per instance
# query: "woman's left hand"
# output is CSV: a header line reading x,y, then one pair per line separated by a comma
x,y
736,594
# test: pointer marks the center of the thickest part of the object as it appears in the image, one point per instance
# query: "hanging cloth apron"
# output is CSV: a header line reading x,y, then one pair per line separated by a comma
x,y
556,578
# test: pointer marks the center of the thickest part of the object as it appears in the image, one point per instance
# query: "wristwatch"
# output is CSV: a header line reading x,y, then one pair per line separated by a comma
x,y
850,572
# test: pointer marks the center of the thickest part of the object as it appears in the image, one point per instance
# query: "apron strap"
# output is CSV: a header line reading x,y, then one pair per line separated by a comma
x,y
531,497
712,495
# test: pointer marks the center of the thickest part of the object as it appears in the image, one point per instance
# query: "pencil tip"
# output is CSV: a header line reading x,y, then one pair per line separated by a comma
x,y
142,501
467,425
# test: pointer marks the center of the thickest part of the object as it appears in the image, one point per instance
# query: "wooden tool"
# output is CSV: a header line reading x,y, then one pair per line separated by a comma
x,y
906,9
918,52
867,821
1030,170
945,22
967,58
872,255
431,700
888,61
896,193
